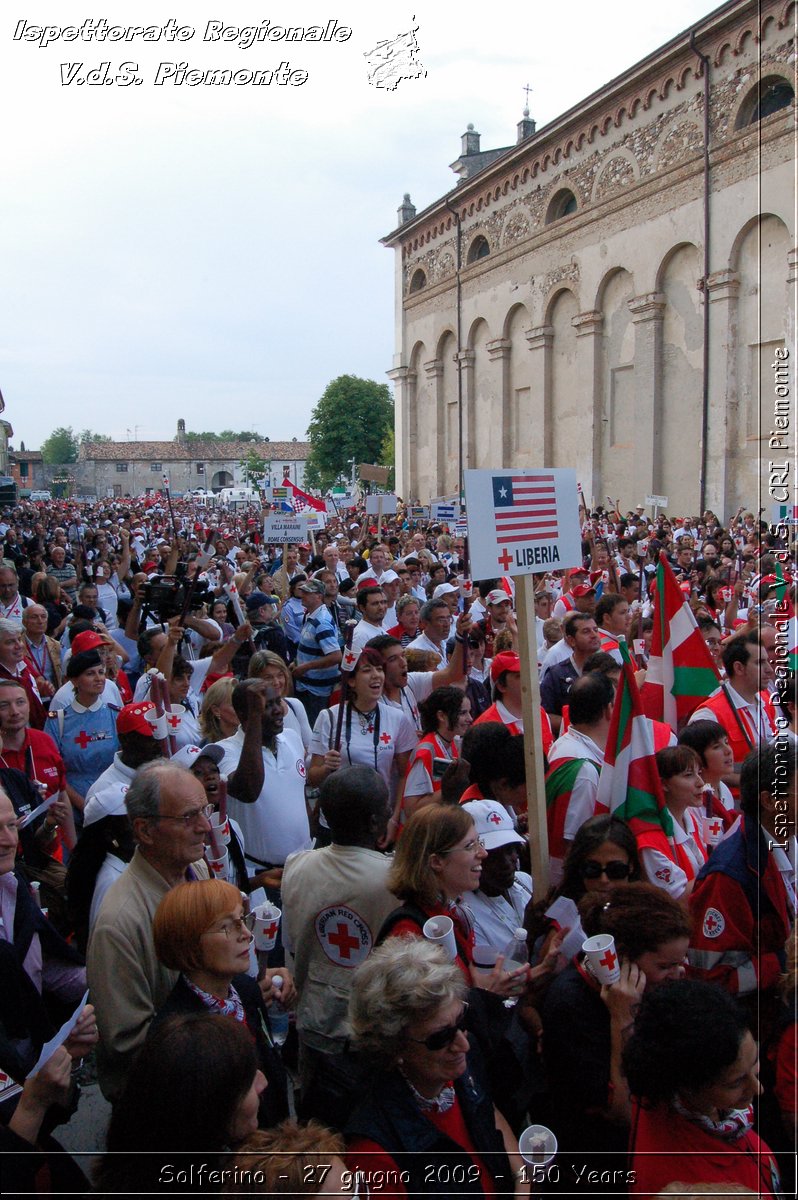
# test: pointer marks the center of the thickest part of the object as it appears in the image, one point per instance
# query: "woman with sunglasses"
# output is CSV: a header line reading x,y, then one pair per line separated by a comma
x,y
200,930
585,1023
424,1091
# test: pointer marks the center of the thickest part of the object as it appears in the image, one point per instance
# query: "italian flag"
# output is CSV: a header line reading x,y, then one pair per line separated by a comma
x,y
681,672
629,784
792,644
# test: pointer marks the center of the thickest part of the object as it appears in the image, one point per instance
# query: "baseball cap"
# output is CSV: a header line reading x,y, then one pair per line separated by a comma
x,y
497,596
110,802
256,600
494,824
582,589
446,589
132,718
186,756
88,640
507,660
312,585
389,576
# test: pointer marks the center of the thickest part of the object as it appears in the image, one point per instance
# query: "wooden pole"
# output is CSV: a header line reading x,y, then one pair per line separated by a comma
x,y
533,739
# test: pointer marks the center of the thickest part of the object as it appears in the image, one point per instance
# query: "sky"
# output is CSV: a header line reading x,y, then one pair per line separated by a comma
x,y
213,253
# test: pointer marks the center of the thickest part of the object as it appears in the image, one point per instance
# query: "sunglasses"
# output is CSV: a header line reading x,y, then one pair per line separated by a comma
x,y
591,869
441,1038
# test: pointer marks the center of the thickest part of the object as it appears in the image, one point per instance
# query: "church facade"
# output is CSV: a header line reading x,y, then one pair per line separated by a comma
x,y
615,292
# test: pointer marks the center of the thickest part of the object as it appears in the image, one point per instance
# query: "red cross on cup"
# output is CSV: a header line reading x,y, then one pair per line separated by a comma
x,y
349,658
173,719
608,960
343,940
270,931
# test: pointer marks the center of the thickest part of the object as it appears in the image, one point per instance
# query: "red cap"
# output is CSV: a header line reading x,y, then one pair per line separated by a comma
x,y
582,589
132,718
88,640
507,660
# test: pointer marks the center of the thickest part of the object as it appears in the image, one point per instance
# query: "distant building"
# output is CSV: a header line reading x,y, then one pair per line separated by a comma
x,y
137,468
602,294
28,471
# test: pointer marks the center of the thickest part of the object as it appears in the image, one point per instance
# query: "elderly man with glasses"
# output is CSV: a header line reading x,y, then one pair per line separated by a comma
x,y
168,811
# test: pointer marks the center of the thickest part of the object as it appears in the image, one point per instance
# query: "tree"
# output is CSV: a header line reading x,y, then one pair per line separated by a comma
x,y
88,435
349,422
388,457
60,447
256,468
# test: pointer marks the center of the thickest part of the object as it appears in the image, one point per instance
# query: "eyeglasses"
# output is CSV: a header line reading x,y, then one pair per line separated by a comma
x,y
190,817
616,869
442,1038
236,926
469,847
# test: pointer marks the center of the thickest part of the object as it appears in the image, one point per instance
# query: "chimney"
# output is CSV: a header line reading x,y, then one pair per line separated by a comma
x,y
407,210
525,127
469,141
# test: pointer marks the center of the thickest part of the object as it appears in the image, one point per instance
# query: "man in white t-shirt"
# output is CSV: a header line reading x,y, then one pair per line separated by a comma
x,y
436,620
372,606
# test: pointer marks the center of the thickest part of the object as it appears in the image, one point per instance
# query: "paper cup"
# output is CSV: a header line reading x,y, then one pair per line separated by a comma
x,y
603,959
484,958
221,828
267,925
537,1145
711,830
440,931
219,867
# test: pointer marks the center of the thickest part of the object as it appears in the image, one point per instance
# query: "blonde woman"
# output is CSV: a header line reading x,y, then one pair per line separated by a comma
x,y
217,719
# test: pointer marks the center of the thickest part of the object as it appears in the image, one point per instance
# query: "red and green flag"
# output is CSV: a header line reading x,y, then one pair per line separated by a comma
x,y
629,784
681,672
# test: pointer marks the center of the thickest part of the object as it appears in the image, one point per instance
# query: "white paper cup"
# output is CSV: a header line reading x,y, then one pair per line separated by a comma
x,y
537,1145
711,830
602,956
219,867
440,931
267,925
484,958
220,827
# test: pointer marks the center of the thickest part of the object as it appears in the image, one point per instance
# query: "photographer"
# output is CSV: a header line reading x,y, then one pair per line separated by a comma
x,y
186,679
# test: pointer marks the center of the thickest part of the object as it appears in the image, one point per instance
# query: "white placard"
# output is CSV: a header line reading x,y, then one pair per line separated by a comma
x,y
285,527
444,512
316,520
343,501
522,521
657,501
785,514
387,503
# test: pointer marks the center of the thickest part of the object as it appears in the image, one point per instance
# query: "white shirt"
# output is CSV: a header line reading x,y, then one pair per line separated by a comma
x,y
581,807
496,918
369,747
13,611
277,823
663,872
419,685
117,775
364,632
422,642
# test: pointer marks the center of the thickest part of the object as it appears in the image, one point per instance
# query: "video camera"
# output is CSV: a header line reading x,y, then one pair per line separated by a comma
x,y
172,595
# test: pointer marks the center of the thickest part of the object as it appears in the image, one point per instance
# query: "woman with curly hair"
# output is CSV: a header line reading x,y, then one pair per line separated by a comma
x,y
693,1067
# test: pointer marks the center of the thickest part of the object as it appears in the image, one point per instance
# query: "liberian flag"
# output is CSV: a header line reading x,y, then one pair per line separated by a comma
x,y
681,672
524,508
629,784
301,501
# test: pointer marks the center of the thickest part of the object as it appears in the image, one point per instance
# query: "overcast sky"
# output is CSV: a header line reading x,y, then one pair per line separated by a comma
x,y
213,253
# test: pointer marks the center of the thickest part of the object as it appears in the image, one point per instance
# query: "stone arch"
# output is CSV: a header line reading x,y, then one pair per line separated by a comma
x,y
677,417
744,231
418,280
565,402
485,400
679,140
618,170
524,409
446,354
619,461
606,281
552,299
742,111
515,229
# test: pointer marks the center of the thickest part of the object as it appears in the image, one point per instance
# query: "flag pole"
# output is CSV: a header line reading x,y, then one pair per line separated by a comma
x,y
537,829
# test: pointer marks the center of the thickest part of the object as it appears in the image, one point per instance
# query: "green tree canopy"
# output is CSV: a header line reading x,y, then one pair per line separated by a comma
x,y
88,435
351,420
60,447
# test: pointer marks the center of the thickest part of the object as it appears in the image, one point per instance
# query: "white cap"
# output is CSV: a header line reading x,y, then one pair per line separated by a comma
x,y
110,802
443,589
493,822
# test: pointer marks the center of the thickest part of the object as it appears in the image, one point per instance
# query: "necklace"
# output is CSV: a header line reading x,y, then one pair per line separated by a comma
x,y
366,720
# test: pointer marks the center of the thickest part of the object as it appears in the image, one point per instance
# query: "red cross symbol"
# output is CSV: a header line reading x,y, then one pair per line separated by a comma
x,y
715,827
270,931
609,960
495,819
349,658
505,558
83,739
385,737
710,923
343,940
173,719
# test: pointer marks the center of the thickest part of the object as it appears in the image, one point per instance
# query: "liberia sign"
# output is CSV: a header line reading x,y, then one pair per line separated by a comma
x,y
522,521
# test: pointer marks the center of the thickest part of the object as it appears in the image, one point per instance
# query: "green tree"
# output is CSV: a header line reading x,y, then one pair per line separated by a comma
x,y
255,468
88,435
351,420
388,457
60,447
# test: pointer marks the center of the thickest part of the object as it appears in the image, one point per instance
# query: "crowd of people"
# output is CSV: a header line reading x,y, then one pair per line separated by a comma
x,y
287,786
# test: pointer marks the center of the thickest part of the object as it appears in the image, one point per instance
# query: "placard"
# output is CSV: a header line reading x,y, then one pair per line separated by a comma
x,y
373,474
522,521
285,527
657,501
419,512
386,504
440,511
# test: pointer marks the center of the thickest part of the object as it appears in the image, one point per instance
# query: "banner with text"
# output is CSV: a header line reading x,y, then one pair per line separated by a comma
x,y
386,504
445,512
522,521
288,527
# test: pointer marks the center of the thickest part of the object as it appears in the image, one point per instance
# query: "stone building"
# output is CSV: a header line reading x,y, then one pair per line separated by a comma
x,y
603,294
137,468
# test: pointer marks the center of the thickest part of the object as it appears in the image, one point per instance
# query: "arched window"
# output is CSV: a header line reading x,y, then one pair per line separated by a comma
x,y
479,248
563,203
418,281
769,96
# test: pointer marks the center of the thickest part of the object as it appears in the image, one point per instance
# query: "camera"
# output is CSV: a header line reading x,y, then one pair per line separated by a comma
x,y
166,596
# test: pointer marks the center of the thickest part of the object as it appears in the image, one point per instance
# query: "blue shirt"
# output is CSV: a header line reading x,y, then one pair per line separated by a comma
x,y
317,638
87,740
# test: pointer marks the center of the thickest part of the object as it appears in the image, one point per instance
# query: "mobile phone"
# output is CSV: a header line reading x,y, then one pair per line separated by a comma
x,y
439,767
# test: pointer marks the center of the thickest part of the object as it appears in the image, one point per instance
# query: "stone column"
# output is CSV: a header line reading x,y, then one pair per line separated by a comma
x,y
540,340
723,289
465,365
647,314
433,369
588,326
404,382
499,351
